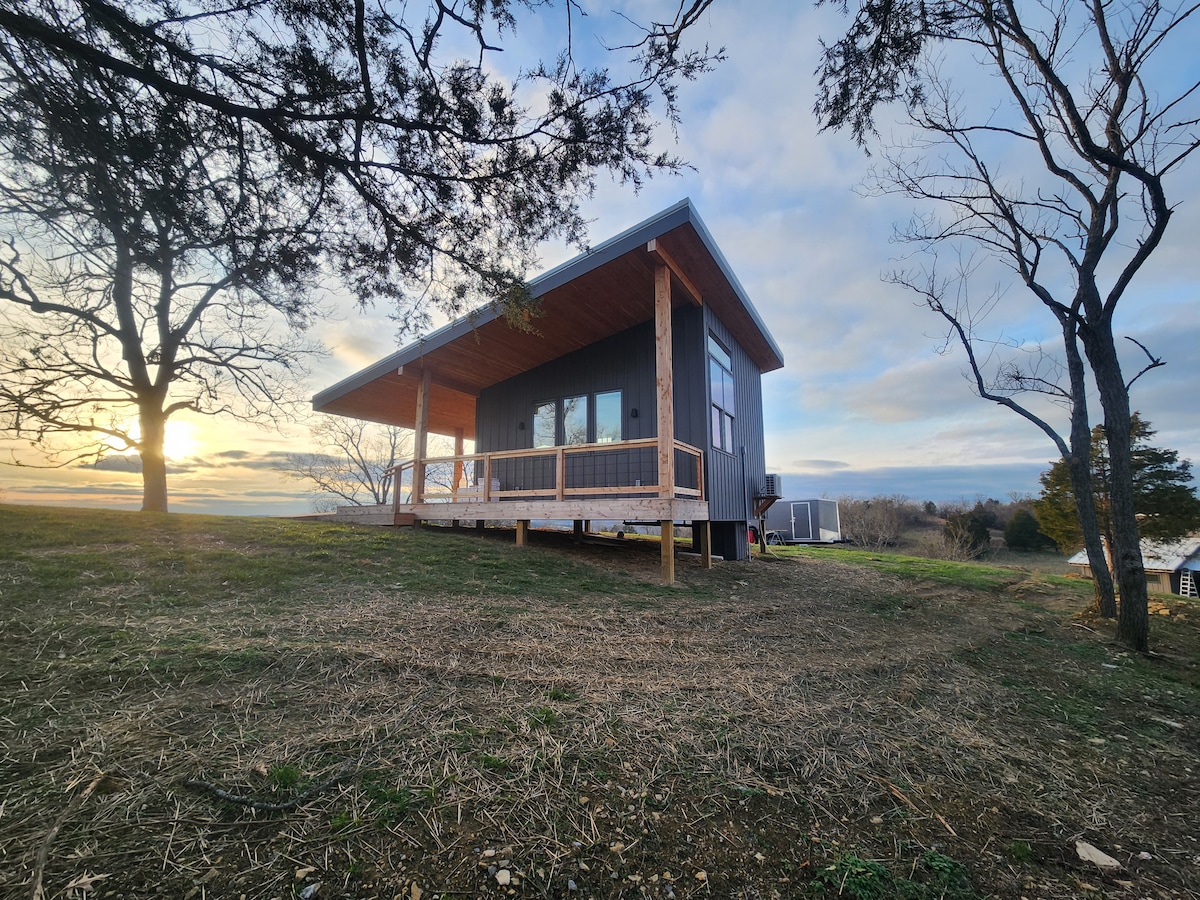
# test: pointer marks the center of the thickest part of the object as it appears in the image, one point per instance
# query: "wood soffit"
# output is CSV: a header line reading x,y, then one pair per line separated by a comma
x,y
604,301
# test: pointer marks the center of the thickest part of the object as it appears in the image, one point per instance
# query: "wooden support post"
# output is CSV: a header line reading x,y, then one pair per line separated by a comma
x,y
522,532
458,468
560,474
578,532
705,534
667,527
458,463
664,381
421,437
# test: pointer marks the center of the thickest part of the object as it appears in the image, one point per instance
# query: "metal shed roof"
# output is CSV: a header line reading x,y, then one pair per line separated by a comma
x,y
597,294
1160,556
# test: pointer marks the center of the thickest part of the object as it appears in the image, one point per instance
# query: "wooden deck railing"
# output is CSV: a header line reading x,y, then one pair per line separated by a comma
x,y
488,477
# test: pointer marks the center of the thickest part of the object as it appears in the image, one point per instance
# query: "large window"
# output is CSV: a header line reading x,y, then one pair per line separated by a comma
x,y
545,423
583,419
608,417
575,420
724,404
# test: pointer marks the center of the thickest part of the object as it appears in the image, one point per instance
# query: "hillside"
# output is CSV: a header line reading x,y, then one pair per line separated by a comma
x,y
202,707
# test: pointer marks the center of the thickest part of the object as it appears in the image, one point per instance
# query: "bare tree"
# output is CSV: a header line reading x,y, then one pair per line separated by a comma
x,y
1027,371
1085,102
352,462
177,179
873,523
450,172
157,263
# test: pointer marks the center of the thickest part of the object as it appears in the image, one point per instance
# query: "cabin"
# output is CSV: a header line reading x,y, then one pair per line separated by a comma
x,y
1172,567
636,397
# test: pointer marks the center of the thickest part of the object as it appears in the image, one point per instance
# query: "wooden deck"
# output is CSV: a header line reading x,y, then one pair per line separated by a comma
x,y
643,509
613,481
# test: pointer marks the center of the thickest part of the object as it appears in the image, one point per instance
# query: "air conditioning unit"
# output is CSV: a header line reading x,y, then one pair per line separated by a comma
x,y
772,486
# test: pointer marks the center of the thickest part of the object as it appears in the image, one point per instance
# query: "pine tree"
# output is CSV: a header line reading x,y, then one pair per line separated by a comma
x,y
1167,505
1022,533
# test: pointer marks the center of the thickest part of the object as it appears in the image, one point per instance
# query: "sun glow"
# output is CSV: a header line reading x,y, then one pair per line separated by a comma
x,y
182,438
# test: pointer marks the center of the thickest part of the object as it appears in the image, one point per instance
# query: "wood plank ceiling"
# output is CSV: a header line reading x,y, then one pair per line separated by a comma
x,y
601,302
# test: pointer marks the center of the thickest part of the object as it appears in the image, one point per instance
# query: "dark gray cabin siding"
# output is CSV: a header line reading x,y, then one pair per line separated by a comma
x,y
732,485
734,478
623,362
690,367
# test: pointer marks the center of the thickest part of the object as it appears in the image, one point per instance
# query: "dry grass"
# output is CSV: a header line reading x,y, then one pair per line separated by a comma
x,y
728,737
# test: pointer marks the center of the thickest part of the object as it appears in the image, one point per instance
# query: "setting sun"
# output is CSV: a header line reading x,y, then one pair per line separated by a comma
x,y
181,440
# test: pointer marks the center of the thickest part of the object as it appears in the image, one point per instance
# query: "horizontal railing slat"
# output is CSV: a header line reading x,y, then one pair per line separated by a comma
x,y
483,488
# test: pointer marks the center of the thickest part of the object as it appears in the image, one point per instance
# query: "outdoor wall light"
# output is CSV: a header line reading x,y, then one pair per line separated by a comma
x,y
520,426
633,413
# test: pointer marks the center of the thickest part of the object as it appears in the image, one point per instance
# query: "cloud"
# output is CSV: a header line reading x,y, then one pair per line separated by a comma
x,y
124,462
244,459
819,465
97,495
942,484
359,339
917,390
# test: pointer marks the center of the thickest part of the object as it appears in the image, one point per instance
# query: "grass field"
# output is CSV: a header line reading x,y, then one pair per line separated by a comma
x,y
196,707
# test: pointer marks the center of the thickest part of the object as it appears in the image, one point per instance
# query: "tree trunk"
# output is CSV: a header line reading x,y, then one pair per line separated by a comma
x,y
1133,622
1079,468
1081,482
154,463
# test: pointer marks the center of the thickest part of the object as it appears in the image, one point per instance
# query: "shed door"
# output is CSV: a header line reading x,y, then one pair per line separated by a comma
x,y
802,521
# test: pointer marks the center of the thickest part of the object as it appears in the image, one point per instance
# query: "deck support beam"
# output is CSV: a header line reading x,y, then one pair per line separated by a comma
x,y
643,509
703,532
667,529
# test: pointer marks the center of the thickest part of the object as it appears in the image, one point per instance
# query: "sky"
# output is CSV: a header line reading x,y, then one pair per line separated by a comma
x,y
866,404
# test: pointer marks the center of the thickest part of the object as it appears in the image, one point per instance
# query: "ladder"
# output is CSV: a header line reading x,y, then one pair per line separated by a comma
x,y
1187,583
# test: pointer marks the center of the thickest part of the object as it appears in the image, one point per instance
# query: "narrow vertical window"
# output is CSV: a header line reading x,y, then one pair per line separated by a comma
x,y
545,418
575,420
724,403
608,417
